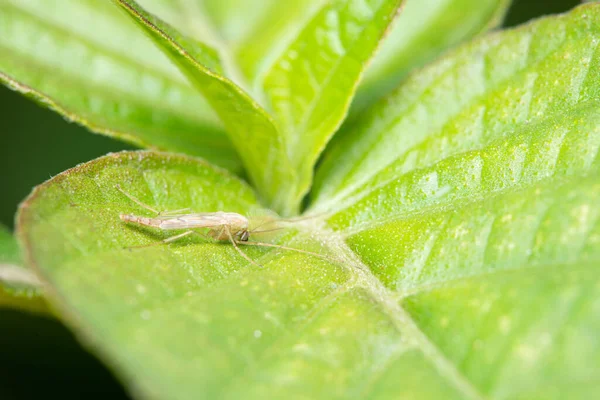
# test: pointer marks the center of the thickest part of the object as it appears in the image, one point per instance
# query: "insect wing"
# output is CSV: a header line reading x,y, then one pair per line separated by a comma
x,y
190,221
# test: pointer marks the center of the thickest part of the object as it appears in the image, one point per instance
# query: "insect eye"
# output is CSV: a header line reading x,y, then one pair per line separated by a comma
x,y
244,237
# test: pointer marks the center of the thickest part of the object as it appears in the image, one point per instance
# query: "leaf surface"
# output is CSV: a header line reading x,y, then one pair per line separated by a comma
x,y
424,30
71,56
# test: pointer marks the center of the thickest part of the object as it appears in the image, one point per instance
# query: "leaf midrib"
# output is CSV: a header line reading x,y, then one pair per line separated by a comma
x,y
401,319
360,278
390,301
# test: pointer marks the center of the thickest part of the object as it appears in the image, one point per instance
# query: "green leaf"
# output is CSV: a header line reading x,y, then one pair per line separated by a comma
x,y
312,83
252,130
424,30
19,287
329,52
466,270
522,86
83,59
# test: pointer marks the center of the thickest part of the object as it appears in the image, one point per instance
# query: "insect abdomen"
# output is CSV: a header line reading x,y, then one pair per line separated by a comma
x,y
140,220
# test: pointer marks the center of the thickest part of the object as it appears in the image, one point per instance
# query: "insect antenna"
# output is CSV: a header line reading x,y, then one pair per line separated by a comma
x,y
254,231
249,243
139,203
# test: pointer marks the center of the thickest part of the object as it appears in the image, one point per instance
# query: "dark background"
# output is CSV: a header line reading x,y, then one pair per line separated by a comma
x,y
39,356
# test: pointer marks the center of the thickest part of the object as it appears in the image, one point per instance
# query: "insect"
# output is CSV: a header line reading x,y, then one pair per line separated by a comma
x,y
220,226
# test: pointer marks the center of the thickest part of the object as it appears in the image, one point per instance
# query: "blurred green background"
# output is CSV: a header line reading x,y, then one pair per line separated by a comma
x,y
39,356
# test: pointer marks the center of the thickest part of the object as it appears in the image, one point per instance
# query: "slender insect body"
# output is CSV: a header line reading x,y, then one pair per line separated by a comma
x,y
229,226
236,222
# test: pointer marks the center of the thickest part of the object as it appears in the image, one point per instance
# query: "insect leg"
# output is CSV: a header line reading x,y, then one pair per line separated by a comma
x,y
176,237
234,243
139,203
165,241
